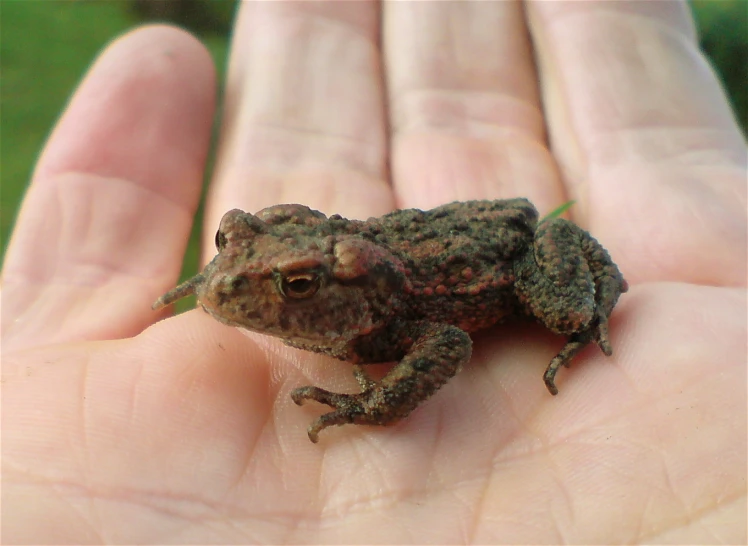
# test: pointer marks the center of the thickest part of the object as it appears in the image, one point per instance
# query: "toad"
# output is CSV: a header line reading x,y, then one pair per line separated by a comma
x,y
406,288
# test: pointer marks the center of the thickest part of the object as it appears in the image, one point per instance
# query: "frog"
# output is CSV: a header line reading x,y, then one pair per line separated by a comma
x,y
406,288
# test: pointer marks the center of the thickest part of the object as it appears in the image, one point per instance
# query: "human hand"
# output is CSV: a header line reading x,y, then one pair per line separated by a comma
x,y
116,429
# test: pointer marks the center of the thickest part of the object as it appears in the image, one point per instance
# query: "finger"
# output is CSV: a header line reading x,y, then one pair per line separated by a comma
x,y
466,118
105,221
304,120
645,138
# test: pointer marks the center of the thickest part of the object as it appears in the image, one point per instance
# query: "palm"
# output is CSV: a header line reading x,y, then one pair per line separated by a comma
x,y
187,432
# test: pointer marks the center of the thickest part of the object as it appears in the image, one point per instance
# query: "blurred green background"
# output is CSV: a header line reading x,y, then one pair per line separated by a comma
x,y
47,45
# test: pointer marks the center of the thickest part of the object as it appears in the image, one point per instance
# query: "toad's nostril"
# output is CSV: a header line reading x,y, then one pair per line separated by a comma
x,y
235,283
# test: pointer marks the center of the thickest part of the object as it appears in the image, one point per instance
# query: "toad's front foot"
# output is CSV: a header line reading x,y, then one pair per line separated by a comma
x,y
349,408
434,354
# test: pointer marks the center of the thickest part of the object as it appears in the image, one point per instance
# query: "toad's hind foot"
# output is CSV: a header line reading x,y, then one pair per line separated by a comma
x,y
577,342
563,358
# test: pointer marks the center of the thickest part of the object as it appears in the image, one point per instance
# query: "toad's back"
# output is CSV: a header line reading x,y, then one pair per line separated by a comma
x,y
459,257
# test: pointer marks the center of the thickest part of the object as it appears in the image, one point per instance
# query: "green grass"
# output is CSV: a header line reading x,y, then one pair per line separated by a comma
x,y
47,45
723,31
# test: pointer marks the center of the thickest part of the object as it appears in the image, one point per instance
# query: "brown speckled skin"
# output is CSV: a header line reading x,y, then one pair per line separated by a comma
x,y
406,287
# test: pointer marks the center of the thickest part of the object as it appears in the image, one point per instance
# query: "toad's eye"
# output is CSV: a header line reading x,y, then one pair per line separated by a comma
x,y
220,240
300,285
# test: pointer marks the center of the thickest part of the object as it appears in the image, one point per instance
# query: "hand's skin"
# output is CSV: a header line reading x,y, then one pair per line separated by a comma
x,y
115,429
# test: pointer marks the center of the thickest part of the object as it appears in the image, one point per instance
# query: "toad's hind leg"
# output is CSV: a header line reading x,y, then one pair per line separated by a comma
x,y
570,284
436,353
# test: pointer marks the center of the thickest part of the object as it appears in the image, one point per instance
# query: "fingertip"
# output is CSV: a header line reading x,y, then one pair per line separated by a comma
x,y
105,222
142,113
